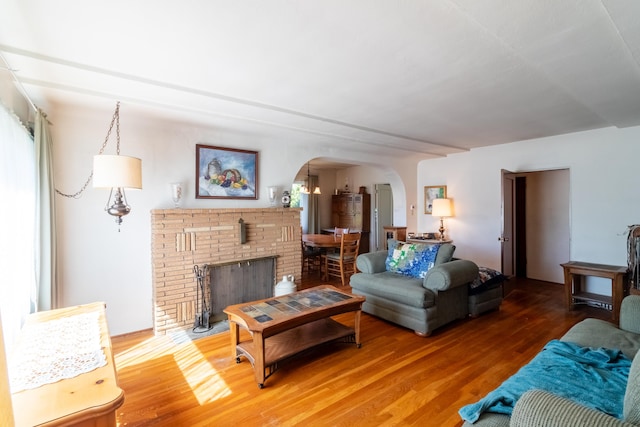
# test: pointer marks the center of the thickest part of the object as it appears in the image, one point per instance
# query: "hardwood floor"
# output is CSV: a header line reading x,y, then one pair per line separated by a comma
x,y
396,378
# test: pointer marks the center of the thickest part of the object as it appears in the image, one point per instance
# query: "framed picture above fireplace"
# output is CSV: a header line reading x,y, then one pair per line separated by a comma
x,y
226,173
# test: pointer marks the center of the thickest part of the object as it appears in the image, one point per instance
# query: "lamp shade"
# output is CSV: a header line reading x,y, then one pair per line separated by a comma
x,y
117,171
441,207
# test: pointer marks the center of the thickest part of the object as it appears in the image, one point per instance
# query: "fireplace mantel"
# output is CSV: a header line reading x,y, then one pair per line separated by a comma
x,y
182,238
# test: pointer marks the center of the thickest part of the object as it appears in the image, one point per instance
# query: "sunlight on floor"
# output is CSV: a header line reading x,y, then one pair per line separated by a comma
x,y
203,379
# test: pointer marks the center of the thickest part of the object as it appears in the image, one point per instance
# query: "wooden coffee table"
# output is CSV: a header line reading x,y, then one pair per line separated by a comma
x,y
286,325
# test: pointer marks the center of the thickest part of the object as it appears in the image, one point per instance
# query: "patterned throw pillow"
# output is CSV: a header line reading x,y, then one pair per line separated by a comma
x,y
411,259
486,278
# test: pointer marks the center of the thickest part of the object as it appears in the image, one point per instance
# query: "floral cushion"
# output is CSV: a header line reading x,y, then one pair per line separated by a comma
x,y
411,259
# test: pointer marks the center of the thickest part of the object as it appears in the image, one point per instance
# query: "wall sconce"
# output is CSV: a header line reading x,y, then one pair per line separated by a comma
x,y
117,173
442,208
176,193
243,231
273,195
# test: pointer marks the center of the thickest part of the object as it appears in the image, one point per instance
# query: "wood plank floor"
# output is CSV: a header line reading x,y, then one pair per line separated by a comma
x,y
396,378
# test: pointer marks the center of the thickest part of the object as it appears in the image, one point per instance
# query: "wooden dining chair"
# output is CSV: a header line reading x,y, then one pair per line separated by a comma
x,y
339,231
343,263
310,258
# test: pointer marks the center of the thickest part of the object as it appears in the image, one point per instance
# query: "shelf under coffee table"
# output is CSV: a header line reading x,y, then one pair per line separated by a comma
x,y
284,326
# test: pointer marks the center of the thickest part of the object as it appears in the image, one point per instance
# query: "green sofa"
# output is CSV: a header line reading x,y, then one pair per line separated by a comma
x,y
539,408
419,304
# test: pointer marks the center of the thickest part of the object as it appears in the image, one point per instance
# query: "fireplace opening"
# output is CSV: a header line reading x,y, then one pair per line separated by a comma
x,y
237,282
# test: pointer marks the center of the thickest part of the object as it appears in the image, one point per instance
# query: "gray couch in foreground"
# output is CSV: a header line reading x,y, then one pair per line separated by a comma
x,y
419,304
539,408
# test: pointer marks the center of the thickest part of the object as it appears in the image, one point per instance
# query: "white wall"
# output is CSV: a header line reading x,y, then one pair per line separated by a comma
x,y
99,264
96,263
604,197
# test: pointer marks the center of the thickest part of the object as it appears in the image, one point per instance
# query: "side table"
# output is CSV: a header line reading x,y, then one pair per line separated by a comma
x,y
397,233
574,271
89,399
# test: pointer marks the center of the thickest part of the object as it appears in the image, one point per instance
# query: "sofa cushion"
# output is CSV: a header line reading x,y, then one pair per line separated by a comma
x,y
631,411
445,253
630,314
411,259
600,333
395,287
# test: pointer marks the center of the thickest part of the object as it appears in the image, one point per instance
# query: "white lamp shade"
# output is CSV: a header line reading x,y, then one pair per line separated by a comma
x,y
441,207
117,171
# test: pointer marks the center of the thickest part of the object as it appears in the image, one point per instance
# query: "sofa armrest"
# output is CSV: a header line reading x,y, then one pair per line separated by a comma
x,y
630,314
372,262
450,274
539,408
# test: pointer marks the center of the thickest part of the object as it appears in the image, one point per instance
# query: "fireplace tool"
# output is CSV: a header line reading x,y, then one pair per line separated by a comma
x,y
201,323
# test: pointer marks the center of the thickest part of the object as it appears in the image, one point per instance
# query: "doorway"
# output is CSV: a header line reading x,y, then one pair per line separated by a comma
x,y
538,239
382,212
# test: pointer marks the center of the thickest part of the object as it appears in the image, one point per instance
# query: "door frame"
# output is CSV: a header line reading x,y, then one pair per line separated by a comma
x,y
380,219
506,238
515,250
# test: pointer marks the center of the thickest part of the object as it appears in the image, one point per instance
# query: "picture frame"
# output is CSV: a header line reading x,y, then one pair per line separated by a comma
x,y
433,192
226,173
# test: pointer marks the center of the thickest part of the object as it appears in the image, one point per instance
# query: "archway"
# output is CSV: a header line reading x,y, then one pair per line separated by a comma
x,y
339,175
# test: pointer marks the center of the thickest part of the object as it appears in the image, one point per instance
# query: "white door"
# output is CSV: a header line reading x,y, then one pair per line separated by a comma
x,y
383,213
506,237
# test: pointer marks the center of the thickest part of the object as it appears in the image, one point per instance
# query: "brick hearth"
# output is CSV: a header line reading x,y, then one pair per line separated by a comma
x,y
182,238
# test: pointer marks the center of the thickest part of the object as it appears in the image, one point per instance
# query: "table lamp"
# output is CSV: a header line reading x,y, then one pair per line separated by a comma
x,y
441,208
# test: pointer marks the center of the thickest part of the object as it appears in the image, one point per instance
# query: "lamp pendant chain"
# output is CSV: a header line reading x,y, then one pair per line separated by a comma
x,y
115,119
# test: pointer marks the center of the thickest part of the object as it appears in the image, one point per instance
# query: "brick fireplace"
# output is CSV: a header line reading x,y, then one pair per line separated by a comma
x,y
182,238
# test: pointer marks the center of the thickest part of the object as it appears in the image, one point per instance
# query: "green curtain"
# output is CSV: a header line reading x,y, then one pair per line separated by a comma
x,y
46,255
313,216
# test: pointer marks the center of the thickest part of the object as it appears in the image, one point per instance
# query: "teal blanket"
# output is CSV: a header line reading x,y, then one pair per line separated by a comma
x,y
593,377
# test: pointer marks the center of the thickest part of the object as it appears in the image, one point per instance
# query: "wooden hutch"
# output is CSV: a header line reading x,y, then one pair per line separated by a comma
x,y
353,211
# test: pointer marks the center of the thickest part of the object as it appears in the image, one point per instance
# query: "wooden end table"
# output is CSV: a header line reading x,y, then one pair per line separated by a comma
x,y
573,272
286,325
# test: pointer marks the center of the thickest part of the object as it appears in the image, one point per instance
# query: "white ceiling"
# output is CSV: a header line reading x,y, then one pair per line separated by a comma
x,y
409,77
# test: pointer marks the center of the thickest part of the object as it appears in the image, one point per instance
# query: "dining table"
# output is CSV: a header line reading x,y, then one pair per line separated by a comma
x,y
321,240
